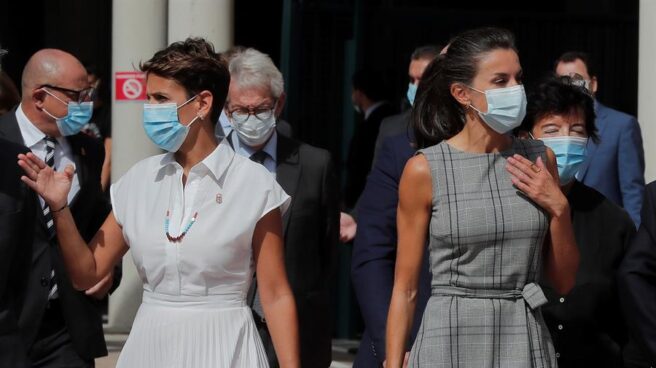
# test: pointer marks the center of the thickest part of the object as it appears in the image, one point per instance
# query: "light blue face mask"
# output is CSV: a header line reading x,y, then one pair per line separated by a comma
x,y
570,154
506,108
77,116
162,126
412,93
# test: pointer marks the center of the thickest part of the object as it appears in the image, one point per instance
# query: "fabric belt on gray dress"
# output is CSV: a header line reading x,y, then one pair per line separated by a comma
x,y
531,293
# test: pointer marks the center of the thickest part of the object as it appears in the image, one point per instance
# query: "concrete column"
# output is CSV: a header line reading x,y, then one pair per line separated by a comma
x,y
646,83
209,19
138,31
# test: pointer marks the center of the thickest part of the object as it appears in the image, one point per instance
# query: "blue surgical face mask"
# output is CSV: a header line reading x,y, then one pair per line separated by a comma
x,y
163,127
506,108
570,154
77,116
412,92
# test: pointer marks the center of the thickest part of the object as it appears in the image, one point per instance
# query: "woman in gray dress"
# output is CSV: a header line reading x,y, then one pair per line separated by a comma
x,y
495,216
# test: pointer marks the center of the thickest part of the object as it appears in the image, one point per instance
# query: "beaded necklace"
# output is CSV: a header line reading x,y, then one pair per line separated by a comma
x,y
177,239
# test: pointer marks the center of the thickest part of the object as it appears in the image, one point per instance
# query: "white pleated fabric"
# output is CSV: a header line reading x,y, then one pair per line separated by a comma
x,y
188,332
193,313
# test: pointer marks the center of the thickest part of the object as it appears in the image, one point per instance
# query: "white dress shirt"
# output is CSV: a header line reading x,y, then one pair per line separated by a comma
x,y
33,139
229,192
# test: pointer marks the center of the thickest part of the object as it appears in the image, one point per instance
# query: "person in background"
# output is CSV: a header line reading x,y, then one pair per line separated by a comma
x,y
492,210
17,219
393,125
60,325
375,246
368,95
310,227
223,127
100,125
637,281
9,96
615,164
401,123
586,324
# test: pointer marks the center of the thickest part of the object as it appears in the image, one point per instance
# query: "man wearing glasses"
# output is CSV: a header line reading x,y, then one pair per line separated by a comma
x,y
311,224
60,326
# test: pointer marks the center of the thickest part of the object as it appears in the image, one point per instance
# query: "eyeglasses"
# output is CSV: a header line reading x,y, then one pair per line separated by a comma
x,y
242,114
77,96
576,80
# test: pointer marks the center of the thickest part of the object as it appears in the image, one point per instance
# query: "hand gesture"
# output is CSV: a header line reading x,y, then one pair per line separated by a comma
x,y
534,180
51,185
347,227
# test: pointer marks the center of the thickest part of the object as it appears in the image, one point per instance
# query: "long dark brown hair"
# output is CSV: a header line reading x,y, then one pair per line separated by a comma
x,y
436,114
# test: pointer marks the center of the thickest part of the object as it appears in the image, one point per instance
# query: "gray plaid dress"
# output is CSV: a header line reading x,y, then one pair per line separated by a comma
x,y
485,256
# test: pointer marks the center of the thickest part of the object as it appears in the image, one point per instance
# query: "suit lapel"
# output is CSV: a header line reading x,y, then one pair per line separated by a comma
x,y
9,129
79,157
288,172
600,123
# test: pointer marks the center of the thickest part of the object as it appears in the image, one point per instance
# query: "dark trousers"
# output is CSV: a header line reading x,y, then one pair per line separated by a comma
x,y
53,347
266,341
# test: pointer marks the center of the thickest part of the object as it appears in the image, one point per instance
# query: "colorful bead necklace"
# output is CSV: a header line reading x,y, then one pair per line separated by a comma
x,y
177,239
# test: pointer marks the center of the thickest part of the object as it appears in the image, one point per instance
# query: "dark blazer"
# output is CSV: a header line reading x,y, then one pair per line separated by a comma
x,y
374,251
391,126
310,230
637,278
616,166
586,325
90,209
361,152
17,218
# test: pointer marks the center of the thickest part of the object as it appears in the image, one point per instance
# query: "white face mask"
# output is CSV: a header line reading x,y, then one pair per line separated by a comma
x,y
506,108
253,131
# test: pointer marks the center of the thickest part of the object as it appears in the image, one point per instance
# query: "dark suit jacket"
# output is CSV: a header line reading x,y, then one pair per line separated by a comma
x,y
586,325
374,251
615,167
637,278
361,152
391,126
17,218
89,208
310,229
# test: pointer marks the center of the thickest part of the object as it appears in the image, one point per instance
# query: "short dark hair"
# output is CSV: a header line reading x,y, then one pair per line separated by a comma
x,y
572,56
372,83
436,113
560,96
196,66
426,52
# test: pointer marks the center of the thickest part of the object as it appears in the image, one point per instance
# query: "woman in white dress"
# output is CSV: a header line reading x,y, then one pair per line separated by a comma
x,y
199,221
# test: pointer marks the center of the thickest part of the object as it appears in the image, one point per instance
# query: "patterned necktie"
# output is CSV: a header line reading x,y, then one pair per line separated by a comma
x,y
50,161
47,215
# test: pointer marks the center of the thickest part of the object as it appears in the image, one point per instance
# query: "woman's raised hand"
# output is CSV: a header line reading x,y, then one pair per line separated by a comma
x,y
535,180
53,186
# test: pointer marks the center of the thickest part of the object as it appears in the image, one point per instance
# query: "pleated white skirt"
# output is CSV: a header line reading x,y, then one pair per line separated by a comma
x,y
192,332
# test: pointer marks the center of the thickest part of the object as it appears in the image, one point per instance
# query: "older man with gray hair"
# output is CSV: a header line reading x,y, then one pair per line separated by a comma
x,y
256,98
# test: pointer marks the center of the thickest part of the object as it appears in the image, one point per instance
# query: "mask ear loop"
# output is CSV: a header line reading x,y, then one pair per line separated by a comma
x,y
56,98
470,104
184,103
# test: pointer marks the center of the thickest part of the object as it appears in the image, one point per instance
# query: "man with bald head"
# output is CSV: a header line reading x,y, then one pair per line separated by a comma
x,y
60,326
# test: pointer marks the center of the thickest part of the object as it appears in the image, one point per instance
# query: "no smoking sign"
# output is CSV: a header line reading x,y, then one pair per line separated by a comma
x,y
130,86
